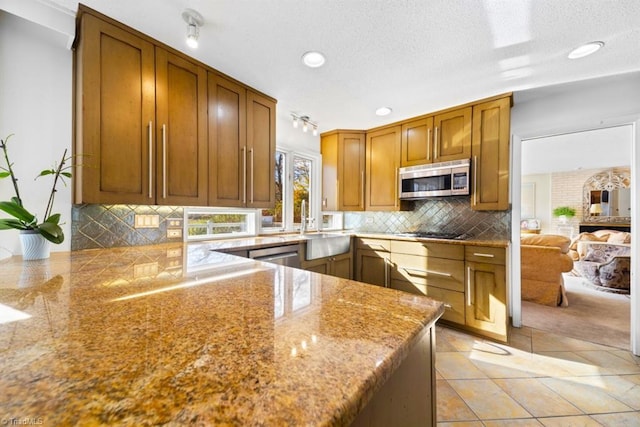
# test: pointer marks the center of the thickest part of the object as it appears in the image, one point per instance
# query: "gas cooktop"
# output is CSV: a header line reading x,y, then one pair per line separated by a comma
x,y
435,235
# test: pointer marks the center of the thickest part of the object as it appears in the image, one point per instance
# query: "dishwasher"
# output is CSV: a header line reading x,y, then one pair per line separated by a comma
x,y
284,255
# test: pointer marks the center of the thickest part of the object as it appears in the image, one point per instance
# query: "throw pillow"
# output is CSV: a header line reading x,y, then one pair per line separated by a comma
x,y
588,237
618,238
595,254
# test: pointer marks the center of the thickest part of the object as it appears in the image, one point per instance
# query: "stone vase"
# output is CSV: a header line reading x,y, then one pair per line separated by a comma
x,y
34,246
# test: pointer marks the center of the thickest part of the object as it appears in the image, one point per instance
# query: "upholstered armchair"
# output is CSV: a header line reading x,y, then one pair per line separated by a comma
x,y
606,266
543,260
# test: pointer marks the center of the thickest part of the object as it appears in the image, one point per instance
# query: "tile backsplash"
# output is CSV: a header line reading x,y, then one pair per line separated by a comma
x,y
443,214
103,226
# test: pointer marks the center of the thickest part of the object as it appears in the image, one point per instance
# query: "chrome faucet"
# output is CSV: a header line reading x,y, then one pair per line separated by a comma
x,y
303,217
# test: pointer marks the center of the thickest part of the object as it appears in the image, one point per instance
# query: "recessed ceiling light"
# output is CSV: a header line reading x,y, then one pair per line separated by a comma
x,y
585,49
313,59
383,111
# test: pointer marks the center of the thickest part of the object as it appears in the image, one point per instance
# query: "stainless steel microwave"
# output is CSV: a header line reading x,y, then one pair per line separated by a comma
x,y
433,180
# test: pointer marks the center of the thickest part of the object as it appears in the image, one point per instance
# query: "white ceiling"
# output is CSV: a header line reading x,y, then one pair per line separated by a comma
x,y
415,56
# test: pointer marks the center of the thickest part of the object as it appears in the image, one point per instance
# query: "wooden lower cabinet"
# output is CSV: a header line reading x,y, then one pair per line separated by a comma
x,y
338,265
469,280
454,309
373,261
486,305
486,310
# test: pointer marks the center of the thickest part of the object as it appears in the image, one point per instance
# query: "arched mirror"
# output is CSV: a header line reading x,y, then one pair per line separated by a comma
x,y
607,196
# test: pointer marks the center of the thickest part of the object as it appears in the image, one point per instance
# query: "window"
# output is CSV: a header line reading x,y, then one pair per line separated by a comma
x,y
219,222
296,175
302,190
274,219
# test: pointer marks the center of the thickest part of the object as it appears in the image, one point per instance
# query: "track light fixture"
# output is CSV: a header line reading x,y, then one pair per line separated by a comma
x,y
194,21
306,123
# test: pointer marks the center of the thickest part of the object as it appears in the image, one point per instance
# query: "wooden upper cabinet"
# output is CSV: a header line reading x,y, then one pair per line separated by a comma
x,y
452,135
382,163
261,151
343,169
227,142
490,151
417,142
115,133
181,131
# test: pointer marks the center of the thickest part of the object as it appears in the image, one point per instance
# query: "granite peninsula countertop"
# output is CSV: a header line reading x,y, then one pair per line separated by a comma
x,y
179,334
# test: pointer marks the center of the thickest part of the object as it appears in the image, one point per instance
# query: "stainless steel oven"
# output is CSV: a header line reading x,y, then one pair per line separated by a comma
x,y
436,179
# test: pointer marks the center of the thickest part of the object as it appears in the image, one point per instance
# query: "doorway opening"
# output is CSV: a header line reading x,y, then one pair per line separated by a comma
x,y
554,173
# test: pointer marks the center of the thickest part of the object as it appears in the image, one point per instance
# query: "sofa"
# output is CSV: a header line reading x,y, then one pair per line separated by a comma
x,y
544,257
603,257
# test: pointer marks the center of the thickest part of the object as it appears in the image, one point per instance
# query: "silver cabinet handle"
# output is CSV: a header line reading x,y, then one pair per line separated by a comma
x,y
436,273
386,273
362,187
469,279
164,161
429,144
436,145
150,159
251,153
483,255
447,306
395,202
475,180
244,175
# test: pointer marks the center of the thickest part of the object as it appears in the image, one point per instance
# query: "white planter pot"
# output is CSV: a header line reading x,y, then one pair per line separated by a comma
x,y
34,246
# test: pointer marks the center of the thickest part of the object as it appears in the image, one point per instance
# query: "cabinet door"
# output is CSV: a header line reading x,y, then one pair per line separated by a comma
x,y
261,150
382,162
372,267
181,131
486,306
116,109
321,267
330,159
342,266
417,147
351,165
452,135
227,142
490,151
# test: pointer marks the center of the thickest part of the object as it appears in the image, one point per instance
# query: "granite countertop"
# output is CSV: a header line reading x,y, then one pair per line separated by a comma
x,y
180,334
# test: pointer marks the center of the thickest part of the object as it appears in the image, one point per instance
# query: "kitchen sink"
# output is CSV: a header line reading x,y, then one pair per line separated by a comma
x,y
322,245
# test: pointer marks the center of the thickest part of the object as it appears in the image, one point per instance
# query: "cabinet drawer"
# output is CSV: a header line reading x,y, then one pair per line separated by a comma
x,y
440,250
485,254
440,272
454,301
373,244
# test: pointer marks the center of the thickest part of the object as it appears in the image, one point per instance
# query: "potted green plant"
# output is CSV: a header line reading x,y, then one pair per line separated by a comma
x,y
31,230
563,213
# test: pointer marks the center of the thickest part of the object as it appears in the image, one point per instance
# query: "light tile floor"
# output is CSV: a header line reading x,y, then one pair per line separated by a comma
x,y
539,379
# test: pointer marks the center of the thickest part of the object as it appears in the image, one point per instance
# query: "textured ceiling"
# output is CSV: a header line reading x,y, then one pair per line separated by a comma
x,y
414,56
